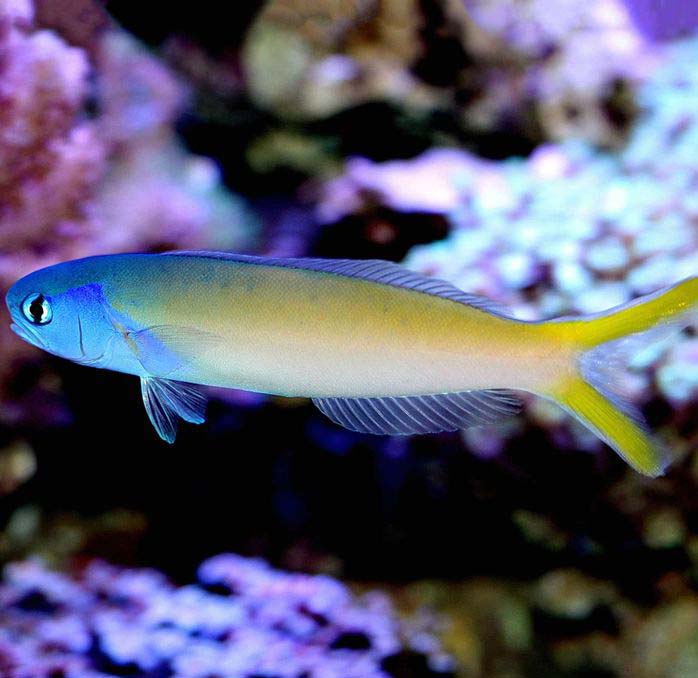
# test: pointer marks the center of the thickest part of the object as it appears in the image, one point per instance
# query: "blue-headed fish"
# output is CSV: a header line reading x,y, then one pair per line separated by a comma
x,y
378,348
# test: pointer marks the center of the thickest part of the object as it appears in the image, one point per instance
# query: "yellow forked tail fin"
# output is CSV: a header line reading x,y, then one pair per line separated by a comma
x,y
622,429
591,392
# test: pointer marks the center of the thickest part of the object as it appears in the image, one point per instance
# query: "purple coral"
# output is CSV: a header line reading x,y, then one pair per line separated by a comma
x,y
576,53
243,619
51,160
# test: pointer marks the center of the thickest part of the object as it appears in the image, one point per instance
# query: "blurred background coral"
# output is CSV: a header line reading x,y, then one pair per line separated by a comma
x,y
543,153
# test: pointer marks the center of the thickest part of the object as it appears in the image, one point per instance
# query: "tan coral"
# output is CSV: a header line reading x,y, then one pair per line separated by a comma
x,y
664,644
308,60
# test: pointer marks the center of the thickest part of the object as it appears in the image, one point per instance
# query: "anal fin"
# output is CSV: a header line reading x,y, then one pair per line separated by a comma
x,y
404,415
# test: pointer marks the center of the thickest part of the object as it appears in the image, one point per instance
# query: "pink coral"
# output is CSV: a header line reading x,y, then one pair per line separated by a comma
x,y
50,160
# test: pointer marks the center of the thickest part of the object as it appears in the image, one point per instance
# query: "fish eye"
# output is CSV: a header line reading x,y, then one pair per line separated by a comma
x,y
37,309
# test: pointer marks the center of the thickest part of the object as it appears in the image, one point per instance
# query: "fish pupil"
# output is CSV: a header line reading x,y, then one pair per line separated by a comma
x,y
37,308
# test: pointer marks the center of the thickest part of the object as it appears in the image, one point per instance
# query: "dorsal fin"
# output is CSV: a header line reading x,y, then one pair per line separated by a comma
x,y
374,270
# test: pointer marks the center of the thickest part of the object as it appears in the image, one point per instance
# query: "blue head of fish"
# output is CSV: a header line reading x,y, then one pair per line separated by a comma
x,y
58,312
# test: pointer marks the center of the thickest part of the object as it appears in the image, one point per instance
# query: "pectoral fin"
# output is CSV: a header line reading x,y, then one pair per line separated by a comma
x,y
164,349
168,401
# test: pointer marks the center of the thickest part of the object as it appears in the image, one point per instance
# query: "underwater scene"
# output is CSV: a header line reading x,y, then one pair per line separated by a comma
x,y
387,424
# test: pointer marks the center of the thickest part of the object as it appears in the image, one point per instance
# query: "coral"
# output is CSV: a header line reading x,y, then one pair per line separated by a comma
x,y
315,59
568,230
59,538
574,55
17,465
242,619
543,69
564,623
674,621
156,196
51,160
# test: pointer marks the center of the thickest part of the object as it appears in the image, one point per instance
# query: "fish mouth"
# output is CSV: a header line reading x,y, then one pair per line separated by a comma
x,y
27,335
31,337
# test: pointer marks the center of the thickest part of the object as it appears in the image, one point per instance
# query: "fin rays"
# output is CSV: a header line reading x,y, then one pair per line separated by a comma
x,y
419,414
594,394
166,402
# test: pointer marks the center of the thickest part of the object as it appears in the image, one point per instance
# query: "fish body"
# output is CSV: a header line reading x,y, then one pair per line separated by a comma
x,y
378,348
290,331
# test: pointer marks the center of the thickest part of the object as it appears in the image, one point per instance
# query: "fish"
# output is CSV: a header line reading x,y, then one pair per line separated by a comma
x,y
378,348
